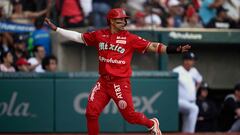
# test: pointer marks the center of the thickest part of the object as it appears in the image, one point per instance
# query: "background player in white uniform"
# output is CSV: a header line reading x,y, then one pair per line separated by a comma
x,y
189,81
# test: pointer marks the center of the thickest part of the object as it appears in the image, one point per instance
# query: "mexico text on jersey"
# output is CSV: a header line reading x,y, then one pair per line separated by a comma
x,y
115,50
106,46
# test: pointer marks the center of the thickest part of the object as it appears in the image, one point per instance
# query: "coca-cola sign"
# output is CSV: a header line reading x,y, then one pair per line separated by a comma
x,y
15,108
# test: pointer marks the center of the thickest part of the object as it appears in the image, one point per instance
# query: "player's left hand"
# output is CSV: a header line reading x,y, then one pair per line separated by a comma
x,y
183,48
50,24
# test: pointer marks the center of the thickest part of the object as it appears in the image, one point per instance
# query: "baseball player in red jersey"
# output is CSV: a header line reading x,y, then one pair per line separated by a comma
x,y
115,47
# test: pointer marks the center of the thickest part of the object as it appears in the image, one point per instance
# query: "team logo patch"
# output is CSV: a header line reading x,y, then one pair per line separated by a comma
x,y
122,104
121,41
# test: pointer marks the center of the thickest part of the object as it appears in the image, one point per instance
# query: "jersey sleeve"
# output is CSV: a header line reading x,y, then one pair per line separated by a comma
x,y
197,76
90,38
139,43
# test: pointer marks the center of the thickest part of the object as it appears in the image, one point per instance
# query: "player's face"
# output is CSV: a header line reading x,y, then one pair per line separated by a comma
x,y
188,63
119,23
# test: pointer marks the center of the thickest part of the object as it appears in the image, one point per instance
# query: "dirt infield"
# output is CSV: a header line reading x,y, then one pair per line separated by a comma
x,y
120,134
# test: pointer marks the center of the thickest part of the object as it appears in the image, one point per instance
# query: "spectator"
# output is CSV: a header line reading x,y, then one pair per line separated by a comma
x,y
7,61
40,36
196,4
138,21
151,19
5,9
20,50
72,14
49,64
169,21
192,19
233,7
189,81
86,7
230,113
207,115
176,11
135,5
24,17
221,21
207,10
35,62
159,7
23,65
6,42
100,9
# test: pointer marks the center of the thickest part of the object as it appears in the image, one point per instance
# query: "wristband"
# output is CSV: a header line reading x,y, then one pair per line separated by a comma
x,y
173,49
159,48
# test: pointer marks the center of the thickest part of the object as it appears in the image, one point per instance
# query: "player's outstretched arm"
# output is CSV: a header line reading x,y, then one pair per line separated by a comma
x,y
71,35
161,48
50,24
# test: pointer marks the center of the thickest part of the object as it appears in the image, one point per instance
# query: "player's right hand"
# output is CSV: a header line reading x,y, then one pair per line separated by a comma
x,y
50,24
183,48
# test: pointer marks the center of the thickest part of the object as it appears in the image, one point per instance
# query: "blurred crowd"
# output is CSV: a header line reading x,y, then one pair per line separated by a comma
x,y
152,13
26,51
159,13
15,56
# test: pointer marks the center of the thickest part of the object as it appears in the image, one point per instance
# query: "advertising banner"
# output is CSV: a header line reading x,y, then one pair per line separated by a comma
x,y
155,97
57,102
26,105
16,28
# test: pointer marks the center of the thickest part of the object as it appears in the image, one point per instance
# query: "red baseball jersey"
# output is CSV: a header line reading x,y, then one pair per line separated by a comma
x,y
115,50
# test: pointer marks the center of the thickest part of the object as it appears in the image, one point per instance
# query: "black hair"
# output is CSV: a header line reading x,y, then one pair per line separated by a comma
x,y
35,48
46,61
4,55
38,23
